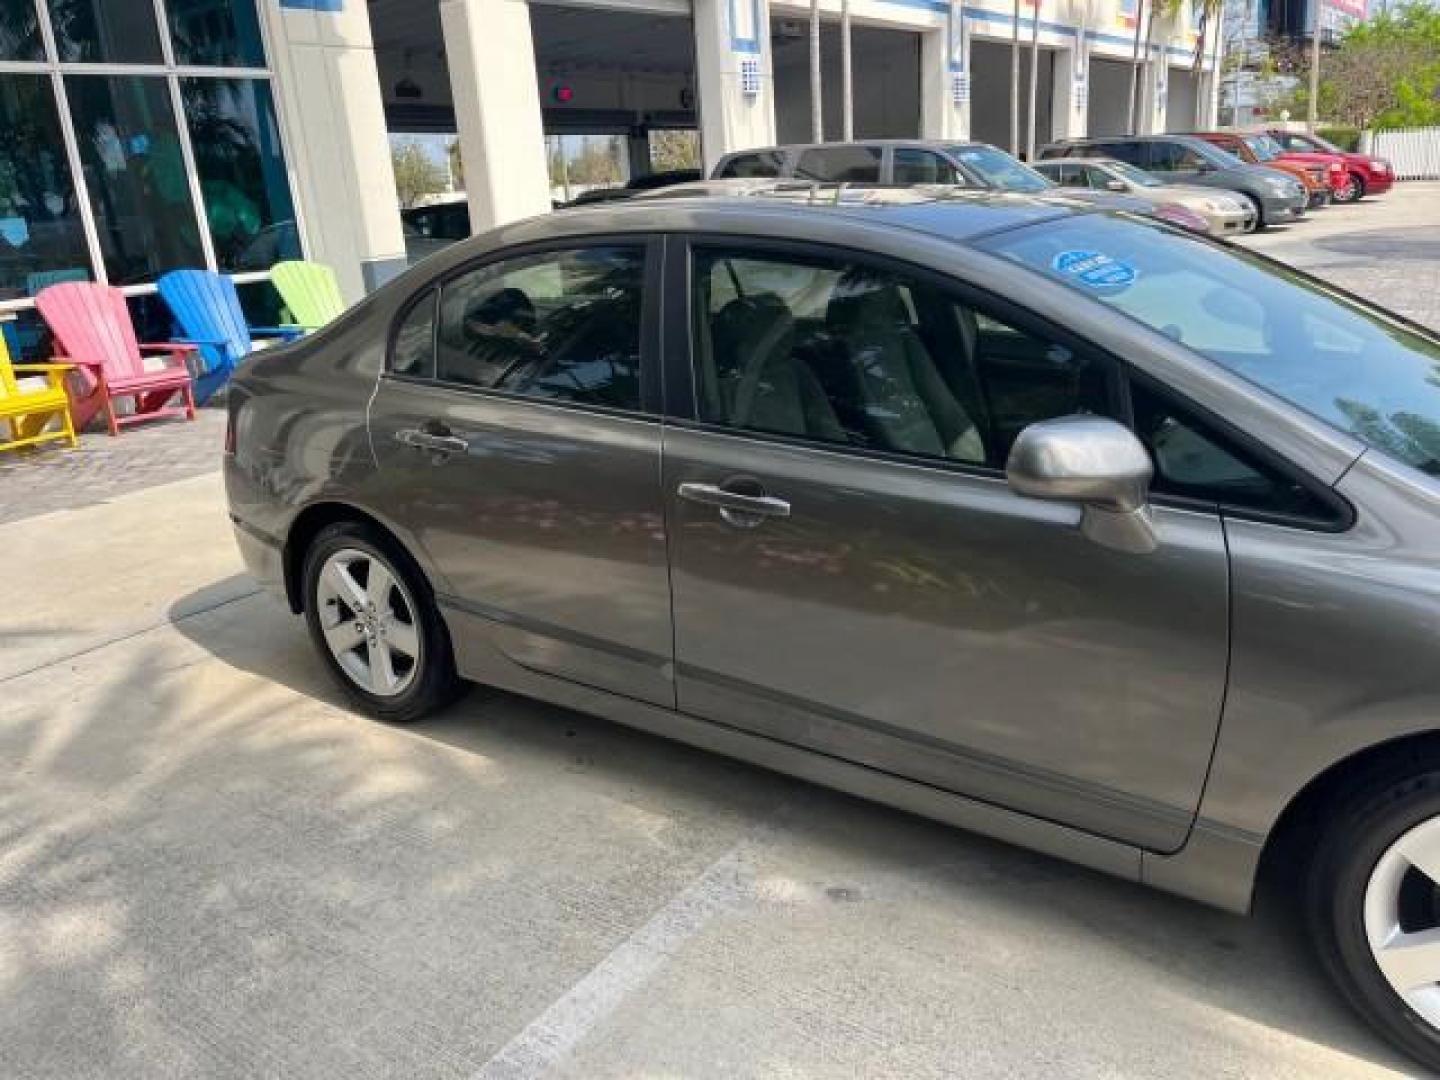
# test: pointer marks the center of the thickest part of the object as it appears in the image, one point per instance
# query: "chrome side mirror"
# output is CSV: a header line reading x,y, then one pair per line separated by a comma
x,y
1097,463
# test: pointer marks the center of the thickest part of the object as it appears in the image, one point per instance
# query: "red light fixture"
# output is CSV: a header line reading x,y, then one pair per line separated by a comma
x,y
562,93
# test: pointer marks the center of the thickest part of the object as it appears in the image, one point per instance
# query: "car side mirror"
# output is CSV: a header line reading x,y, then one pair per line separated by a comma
x,y
1097,463
1115,185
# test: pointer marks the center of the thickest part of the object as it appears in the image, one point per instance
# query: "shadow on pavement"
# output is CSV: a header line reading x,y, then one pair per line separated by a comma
x,y
1254,971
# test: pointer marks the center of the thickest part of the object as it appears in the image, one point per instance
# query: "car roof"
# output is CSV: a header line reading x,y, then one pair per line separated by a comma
x,y
941,210
929,144
1074,161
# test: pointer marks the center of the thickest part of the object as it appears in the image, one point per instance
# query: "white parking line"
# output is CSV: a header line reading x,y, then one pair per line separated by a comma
x,y
552,1035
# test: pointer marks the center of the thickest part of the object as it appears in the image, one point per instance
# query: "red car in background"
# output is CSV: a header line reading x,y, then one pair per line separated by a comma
x,y
1368,175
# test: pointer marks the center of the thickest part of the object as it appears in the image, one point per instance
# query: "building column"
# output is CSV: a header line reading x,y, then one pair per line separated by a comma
x,y
328,94
1070,95
1157,92
491,53
734,76
945,79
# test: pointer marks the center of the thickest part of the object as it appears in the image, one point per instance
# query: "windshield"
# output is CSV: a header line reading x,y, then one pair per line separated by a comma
x,y
1264,147
999,169
1285,332
1221,159
1323,144
1133,174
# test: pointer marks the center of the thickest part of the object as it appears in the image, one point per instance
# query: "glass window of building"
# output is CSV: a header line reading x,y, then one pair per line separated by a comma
x,y
135,173
106,31
20,31
219,33
243,179
40,228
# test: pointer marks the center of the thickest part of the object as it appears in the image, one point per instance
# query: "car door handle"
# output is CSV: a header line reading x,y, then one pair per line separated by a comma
x,y
734,502
432,441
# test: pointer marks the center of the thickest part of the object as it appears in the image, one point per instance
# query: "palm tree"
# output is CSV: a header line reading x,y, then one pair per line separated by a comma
x,y
1211,12
1015,80
1165,10
1135,68
1034,74
817,115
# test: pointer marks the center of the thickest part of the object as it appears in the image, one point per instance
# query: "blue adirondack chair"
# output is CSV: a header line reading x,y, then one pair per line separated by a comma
x,y
207,309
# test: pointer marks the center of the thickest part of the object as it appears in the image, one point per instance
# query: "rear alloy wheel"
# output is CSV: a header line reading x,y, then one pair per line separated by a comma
x,y
1353,189
1373,908
372,618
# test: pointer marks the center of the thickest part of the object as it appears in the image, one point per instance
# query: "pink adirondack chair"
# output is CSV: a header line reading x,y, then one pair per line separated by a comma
x,y
92,328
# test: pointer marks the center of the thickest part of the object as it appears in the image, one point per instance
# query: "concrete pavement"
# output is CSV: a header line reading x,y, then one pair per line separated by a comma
x,y
210,868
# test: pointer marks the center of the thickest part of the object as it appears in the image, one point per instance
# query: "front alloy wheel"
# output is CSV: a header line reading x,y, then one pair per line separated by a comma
x,y
1372,903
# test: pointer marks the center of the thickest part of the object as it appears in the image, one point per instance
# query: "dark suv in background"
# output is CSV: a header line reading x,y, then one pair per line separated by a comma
x,y
1184,159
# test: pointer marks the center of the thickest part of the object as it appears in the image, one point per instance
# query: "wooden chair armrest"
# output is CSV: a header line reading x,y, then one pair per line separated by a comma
x,y
69,365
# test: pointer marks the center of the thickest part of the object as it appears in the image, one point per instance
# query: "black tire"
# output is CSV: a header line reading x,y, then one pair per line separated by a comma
x,y
1365,827
1358,191
1260,223
435,682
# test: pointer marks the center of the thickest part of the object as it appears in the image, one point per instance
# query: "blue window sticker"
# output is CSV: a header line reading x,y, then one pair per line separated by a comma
x,y
1094,269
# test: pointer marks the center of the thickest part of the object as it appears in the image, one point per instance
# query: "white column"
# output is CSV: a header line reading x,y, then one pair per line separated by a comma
x,y
944,58
491,53
328,93
1069,101
1159,91
731,117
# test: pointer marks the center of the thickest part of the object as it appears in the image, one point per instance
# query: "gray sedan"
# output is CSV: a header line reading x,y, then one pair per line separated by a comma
x,y
1225,213
1051,523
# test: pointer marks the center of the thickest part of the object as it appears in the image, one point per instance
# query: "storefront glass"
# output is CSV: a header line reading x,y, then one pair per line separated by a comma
x,y
242,169
221,33
106,31
135,170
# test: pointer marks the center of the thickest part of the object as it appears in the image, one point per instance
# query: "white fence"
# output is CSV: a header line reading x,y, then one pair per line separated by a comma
x,y
1414,152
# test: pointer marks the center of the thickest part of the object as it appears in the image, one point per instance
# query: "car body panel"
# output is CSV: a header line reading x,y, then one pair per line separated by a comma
x,y
1310,606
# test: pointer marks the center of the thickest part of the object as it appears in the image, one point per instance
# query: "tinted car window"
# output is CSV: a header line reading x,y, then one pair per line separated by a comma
x,y
1193,460
763,163
912,166
414,351
848,164
1130,151
1174,157
1346,363
839,352
563,325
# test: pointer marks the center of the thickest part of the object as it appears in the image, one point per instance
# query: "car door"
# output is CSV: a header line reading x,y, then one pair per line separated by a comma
x,y
518,441
851,572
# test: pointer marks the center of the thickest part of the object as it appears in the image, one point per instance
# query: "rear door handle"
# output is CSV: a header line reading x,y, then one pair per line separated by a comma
x,y
735,507
429,440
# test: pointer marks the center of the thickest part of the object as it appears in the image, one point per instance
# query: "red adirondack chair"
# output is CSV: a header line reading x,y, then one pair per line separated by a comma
x,y
92,328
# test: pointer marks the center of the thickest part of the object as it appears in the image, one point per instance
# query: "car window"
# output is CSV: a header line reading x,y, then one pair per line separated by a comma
x,y
912,166
763,163
1193,460
563,325
1130,151
841,164
839,352
1174,157
999,169
1289,334
414,349
1067,175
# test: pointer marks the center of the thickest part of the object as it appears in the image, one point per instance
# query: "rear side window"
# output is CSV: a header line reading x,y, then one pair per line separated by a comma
x,y
414,350
560,325
763,164
912,166
1128,150
840,164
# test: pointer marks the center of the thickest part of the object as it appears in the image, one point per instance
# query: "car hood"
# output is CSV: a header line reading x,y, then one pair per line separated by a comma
x,y
1192,193
1109,200
1313,157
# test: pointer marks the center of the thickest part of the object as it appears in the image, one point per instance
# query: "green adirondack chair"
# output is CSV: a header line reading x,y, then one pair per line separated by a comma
x,y
309,290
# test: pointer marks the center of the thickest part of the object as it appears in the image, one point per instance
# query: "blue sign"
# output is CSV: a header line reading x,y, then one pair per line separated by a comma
x,y
1094,269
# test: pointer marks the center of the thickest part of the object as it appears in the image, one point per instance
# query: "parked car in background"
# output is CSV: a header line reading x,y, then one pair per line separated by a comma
x,y
1223,213
433,228
908,162
1321,178
1371,175
1040,520
1276,197
628,190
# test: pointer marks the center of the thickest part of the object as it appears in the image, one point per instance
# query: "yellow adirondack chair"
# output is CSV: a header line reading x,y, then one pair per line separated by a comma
x,y
31,404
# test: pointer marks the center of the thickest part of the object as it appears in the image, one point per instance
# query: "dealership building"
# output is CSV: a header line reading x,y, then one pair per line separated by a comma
x,y
146,135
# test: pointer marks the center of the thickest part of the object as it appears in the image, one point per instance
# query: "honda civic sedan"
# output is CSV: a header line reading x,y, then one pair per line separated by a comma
x,y
1057,524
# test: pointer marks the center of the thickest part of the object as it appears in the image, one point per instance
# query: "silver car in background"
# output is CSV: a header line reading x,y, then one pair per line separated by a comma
x,y
1224,214
1056,524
